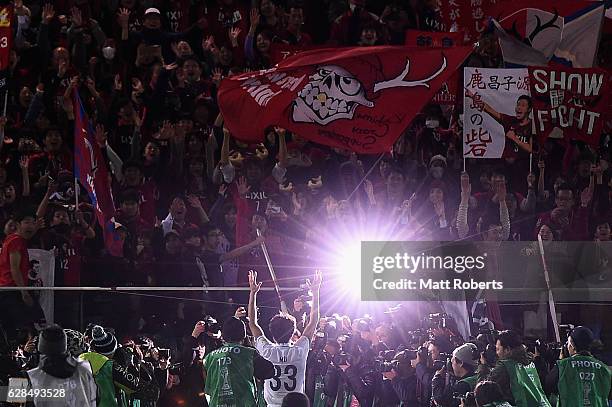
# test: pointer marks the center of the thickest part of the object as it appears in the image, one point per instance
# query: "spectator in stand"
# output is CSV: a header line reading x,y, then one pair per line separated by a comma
x,y
347,29
257,43
294,34
20,308
569,223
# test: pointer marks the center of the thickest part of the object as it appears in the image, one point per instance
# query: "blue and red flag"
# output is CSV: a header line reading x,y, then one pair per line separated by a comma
x,y
92,172
6,43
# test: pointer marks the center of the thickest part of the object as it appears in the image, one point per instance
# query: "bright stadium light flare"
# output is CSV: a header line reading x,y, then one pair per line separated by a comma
x,y
348,268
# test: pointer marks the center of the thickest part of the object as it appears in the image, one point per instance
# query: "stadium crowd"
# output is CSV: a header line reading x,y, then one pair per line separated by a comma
x,y
194,206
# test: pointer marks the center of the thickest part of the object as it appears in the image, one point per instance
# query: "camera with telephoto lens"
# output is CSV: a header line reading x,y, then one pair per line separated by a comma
x,y
305,293
342,359
320,340
416,338
439,320
212,325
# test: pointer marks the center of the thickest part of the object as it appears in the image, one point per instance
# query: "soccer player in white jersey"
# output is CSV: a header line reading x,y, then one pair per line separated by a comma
x,y
289,358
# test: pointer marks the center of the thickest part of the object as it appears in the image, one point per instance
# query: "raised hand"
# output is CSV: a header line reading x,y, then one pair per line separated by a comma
x,y
137,85
76,17
217,75
586,196
255,17
166,132
261,151
222,189
243,187
117,83
194,201
254,286
369,187
48,13
317,280
209,43
466,187
531,180
24,162
124,17
100,135
233,35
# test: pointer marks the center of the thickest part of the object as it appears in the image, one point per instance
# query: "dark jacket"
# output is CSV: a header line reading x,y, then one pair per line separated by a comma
x,y
499,374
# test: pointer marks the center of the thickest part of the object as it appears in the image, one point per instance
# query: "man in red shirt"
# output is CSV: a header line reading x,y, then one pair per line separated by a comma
x,y
517,128
17,307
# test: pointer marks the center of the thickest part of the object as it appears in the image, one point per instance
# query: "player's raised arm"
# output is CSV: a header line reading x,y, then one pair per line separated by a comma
x,y
315,286
252,310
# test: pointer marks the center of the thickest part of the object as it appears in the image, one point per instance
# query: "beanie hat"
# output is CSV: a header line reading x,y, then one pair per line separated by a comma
x,y
467,353
103,342
52,341
76,342
583,338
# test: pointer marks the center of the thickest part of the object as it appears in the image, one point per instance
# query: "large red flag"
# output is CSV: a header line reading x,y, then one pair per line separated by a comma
x,y
359,99
91,171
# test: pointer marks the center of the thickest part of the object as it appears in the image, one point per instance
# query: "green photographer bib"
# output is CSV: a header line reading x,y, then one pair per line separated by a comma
x,y
525,384
583,382
229,376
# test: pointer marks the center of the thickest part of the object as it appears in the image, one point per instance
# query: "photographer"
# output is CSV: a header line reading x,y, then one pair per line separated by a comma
x,y
352,374
399,384
581,379
457,379
515,372
319,358
231,370
425,371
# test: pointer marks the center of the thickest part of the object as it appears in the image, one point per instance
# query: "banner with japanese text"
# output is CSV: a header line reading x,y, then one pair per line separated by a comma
x,y
417,38
468,16
570,102
496,108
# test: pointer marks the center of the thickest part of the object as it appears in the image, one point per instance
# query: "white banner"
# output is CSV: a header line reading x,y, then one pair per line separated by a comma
x,y
489,108
42,274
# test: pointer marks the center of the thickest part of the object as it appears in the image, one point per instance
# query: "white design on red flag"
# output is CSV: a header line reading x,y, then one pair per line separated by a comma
x,y
352,98
332,93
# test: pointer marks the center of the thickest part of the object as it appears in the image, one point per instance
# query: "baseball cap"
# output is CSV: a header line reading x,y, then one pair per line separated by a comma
x,y
583,338
152,10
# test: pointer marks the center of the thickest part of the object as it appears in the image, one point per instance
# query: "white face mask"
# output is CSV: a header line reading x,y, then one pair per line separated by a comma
x,y
108,52
432,123
436,172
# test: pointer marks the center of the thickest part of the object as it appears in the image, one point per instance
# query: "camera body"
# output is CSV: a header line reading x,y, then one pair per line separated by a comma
x,y
444,362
